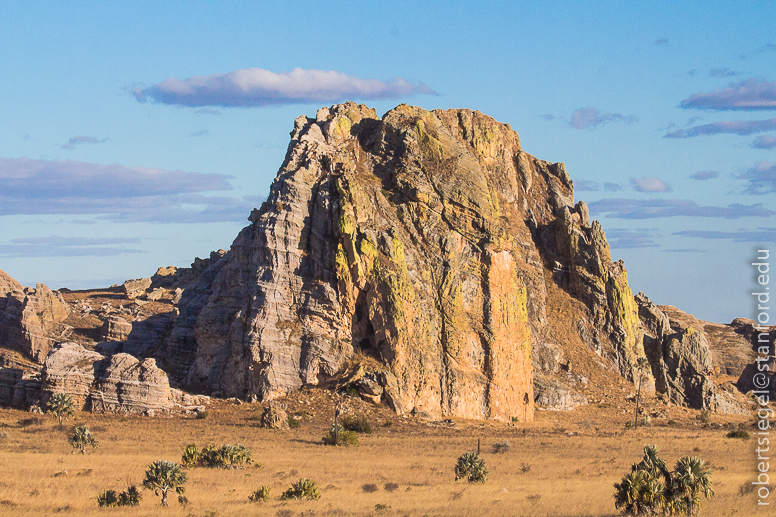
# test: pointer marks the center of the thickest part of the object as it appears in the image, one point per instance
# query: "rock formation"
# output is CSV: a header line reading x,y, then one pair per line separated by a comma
x,y
30,319
420,239
426,243
119,382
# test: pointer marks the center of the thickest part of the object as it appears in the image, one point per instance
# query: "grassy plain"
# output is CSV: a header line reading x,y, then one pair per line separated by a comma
x,y
562,464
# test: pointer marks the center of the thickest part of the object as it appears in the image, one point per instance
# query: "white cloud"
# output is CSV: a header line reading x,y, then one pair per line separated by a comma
x,y
258,87
590,117
650,184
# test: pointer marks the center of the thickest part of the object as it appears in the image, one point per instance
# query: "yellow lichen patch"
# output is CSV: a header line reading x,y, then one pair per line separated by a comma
x,y
429,144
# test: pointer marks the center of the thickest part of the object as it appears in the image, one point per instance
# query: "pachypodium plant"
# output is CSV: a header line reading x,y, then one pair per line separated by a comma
x,y
163,476
82,438
650,489
61,406
471,467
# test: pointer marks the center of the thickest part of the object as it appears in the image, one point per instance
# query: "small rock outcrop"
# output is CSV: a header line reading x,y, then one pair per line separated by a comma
x,y
119,382
30,319
274,416
550,393
137,287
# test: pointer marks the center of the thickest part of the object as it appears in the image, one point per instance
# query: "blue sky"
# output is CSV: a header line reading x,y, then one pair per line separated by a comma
x,y
137,134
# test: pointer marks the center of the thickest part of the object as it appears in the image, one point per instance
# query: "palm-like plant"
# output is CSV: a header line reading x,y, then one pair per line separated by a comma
x,y
302,489
649,488
471,467
163,476
191,456
691,479
61,406
82,437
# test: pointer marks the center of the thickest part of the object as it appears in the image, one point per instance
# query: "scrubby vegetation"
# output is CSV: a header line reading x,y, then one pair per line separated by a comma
x,y
302,489
471,467
357,424
225,457
263,493
163,476
650,489
61,406
82,438
110,499
337,435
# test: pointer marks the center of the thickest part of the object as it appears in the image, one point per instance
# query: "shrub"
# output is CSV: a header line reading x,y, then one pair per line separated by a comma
x,y
471,467
107,499
130,497
263,493
82,437
502,447
358,424
390,487
369,488
649,488
340,437
61,406
224,457
671,422
705,417
190,457
293,423
302,489
738,434
628,424
201,415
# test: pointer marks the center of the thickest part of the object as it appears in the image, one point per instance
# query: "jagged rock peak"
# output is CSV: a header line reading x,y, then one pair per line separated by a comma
x,y
418,239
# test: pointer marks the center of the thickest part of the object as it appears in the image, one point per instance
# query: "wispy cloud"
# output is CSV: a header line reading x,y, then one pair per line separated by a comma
x,y
258,87
585,185
722,72
761,234
662,42
624,208
764,142
738,127
613,187
57,246
752,94
624,238
79,140
650,184
116,193
705,175
762,178
589,117
683,250
201,132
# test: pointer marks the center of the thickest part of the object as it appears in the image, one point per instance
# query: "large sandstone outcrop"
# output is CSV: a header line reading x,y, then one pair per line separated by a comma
x,y
420,239
30,319
119,382
683,361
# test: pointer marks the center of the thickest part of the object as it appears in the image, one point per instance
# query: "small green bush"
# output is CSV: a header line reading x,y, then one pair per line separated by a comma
x,y
293,423
342,437
390,487
471,467
190,457
108,499
130,497
502,447
357,423
369,488
738,434
82,437
302,489
705,417
263,493
224,457
201,415
628,424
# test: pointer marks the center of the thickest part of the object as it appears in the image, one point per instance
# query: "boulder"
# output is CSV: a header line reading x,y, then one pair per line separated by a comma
x,y
274,416
135,288
552,394
116,328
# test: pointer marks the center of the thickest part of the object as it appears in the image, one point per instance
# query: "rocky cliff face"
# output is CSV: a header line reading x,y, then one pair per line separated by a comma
x,y
30,319
425,244
421,239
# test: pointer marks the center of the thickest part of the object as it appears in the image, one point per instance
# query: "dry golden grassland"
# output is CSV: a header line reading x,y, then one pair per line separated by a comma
x,y
563,464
